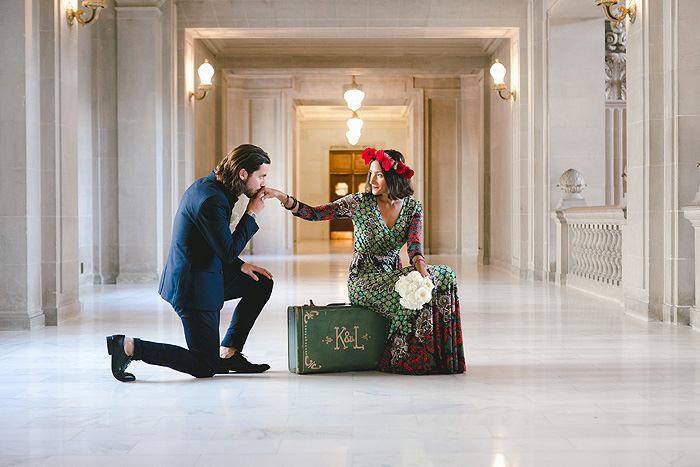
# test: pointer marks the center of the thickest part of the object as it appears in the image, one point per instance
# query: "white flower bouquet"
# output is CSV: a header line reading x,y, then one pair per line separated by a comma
x,y
414,290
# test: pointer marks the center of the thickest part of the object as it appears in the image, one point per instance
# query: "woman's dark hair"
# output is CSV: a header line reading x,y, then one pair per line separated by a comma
x,y
245,156
396,185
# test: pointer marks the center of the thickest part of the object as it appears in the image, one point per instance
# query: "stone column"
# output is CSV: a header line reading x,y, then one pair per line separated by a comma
x,y
692,213
140,151
20,177
662,144
473,205
443,162
264,117
59,153
105,206
270,114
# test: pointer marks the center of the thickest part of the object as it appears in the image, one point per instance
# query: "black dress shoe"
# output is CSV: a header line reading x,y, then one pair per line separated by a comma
x,y
120,360
239,364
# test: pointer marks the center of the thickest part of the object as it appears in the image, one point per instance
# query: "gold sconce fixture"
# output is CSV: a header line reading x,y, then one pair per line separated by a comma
x,y
94,5
608,6
205,72
498,73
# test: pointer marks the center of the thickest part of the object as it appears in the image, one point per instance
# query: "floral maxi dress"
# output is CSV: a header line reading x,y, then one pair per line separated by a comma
x,y
425,341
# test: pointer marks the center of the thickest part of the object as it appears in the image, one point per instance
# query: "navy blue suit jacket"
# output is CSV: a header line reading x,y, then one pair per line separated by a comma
x,y
202,246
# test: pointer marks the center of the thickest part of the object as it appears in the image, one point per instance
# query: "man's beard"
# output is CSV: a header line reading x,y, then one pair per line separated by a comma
x,y
249,192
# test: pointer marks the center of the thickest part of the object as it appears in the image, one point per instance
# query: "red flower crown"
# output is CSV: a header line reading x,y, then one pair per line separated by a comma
x,y
371,154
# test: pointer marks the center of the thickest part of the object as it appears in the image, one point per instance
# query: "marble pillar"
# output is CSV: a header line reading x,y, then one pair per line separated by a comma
x,y
20,178
658,257
140,143
472,170
270,115
503,184
59,103
105,193
443,138
692,214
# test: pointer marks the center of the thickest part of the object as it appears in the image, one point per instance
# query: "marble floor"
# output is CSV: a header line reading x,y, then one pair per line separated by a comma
x,y
554,378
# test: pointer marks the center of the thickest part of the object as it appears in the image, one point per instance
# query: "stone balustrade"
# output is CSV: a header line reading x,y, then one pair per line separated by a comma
x,y
589,249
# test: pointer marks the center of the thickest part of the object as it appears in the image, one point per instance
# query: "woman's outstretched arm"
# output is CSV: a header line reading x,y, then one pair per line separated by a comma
x,y
342,208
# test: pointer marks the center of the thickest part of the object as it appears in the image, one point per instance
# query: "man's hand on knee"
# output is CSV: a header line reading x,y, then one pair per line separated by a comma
x,y
251,269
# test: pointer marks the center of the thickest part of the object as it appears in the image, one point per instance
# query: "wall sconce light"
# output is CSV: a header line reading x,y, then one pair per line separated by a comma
x,y
498,73
608,5
354,96
205,72
94,5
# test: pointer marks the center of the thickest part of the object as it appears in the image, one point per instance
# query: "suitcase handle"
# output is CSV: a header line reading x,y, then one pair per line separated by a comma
x,y
311,303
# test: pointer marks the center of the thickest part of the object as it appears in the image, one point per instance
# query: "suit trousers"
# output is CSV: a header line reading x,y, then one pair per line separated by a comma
x,y
201,358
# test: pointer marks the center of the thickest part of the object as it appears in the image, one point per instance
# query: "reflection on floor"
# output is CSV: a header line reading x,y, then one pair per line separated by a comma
x,y
554,378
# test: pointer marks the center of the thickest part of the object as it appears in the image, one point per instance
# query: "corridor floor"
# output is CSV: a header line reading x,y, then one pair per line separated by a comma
x,y
554,378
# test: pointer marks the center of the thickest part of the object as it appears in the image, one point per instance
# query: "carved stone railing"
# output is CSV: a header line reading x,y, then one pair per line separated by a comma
x,y
589,249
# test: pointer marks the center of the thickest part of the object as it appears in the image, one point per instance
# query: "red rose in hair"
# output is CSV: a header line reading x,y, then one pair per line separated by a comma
x,y
409,173
400,168
387,164
368,155
380,155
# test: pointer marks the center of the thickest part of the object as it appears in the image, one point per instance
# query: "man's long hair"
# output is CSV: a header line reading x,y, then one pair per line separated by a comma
x,y
245,156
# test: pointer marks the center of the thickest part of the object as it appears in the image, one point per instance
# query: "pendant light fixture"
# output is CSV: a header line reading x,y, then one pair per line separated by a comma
x,y
354,96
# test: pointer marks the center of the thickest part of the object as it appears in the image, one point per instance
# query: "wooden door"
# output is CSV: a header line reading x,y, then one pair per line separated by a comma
x,y
347,175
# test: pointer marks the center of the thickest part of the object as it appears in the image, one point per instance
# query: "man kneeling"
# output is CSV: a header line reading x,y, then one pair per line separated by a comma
x,y
203,270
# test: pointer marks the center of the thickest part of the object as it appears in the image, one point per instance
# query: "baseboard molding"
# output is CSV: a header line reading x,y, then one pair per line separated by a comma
x,y
483,260
642,310
137,278
676,314
86,279
500,264
58,316
21,320
102,279
695,318
599,289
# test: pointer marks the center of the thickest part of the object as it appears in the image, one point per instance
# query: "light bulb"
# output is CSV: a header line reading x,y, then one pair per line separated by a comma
x,y
354,96
355,123
353,136
205,72
498,72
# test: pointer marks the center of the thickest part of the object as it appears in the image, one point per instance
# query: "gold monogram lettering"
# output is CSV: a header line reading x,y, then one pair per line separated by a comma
x,y
344,337
360,347
339,337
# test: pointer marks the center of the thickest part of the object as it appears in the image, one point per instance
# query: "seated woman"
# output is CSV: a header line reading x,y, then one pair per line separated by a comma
x,y
385,217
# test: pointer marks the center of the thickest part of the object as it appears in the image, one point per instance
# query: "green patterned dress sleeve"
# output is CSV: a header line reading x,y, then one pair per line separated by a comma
x,y
425,341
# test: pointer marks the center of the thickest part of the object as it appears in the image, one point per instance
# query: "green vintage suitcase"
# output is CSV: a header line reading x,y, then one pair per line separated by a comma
x,y
337,337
